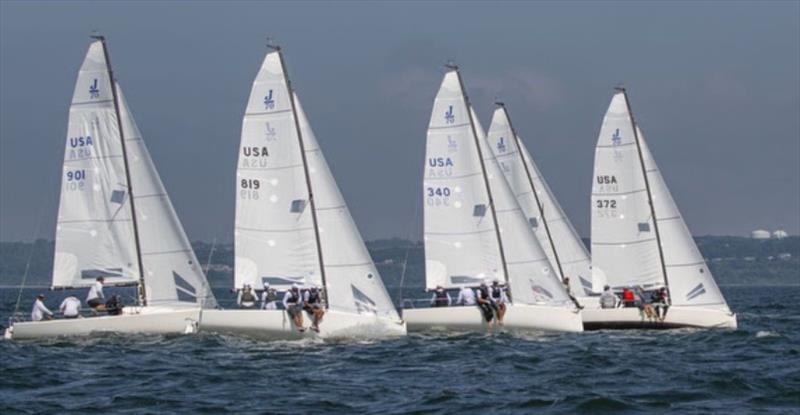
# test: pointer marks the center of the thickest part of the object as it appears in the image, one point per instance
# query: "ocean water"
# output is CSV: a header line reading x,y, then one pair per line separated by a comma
x,y
753,370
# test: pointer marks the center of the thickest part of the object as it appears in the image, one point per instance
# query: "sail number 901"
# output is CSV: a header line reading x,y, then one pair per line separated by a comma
x,y
75,180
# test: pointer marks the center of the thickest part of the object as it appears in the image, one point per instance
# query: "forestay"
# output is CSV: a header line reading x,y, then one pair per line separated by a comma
x,y
572,255
274,235
94,232
624,247
172,274
690,280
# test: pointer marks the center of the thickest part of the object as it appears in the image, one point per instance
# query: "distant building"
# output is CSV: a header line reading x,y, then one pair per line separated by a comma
x,y
785,256
760,234
779,234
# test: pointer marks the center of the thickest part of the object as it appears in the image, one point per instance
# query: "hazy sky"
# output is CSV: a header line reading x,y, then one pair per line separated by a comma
x,y
715,88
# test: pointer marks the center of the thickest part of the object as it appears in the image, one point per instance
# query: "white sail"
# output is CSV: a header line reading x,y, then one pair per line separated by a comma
x,y
352,281
274,235
172,274
572,255
624,247
275,238
461,245
690,280
94,231
531,277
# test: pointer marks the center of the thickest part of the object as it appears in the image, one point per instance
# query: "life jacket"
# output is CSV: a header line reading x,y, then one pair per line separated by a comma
x,y
441,299
483,292
627,295
248,297
497,293
313,297
295,297
271,296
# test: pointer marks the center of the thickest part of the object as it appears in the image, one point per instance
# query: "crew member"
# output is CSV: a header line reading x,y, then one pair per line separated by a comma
x,y
269,298
499,300
40,311
466,296
70,307
608,299
96,299
312,304
293,303
440,297
484,298
246,298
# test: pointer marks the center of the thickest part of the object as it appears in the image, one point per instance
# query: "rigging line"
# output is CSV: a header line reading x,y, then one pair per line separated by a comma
x,y
405,260
46,202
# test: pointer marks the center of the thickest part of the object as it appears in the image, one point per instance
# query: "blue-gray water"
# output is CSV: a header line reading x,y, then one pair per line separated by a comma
x,y
754,369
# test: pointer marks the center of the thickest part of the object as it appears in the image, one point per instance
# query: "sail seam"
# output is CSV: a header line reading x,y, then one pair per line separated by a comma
x,y
274,230
93,158
453,177
459,233
105,101
177,251
449,126
619,193
93,220
293,166
624,243
247,114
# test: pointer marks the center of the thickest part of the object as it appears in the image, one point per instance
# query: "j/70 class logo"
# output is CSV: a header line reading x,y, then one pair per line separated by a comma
x,y
449,117
269,103
94,90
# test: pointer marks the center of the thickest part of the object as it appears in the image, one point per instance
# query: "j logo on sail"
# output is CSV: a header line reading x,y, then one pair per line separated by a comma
x,y
615,138
449,117
269,103
452,144
501,145
94,91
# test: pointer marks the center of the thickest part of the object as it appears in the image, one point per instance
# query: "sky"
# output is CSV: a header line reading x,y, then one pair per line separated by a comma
x,y
715,87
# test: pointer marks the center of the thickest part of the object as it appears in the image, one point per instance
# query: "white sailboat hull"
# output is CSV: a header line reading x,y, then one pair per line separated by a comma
x,y
277,325
519,317
140,320
596,318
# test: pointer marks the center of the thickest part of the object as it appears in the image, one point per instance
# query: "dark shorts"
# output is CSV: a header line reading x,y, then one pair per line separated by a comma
x,y
294,309
95,302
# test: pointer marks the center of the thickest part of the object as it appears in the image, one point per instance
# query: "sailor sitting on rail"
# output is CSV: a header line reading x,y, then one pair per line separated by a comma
x,y
269,298
246,298
293,303
40,311
312,304
499,300
440,298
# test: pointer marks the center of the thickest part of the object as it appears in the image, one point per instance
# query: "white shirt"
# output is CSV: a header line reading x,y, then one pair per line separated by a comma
x,y
466,296
39,310
96,292
70,307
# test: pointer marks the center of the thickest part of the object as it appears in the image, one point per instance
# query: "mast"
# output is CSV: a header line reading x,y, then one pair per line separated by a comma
x,y
485,178
311,203
539,205
141,290
647,187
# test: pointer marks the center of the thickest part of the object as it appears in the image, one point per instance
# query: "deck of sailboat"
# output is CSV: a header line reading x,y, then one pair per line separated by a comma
x,y
277,325
596,318
140,320
519,317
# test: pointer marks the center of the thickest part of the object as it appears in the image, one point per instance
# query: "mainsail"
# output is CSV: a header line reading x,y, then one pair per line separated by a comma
x,y
95,234
275,213
558,238
474,227
624,246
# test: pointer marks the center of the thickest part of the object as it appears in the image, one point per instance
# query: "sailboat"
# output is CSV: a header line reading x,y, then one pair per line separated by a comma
x,y
115,220
475,230
293,226
639,237
556,235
